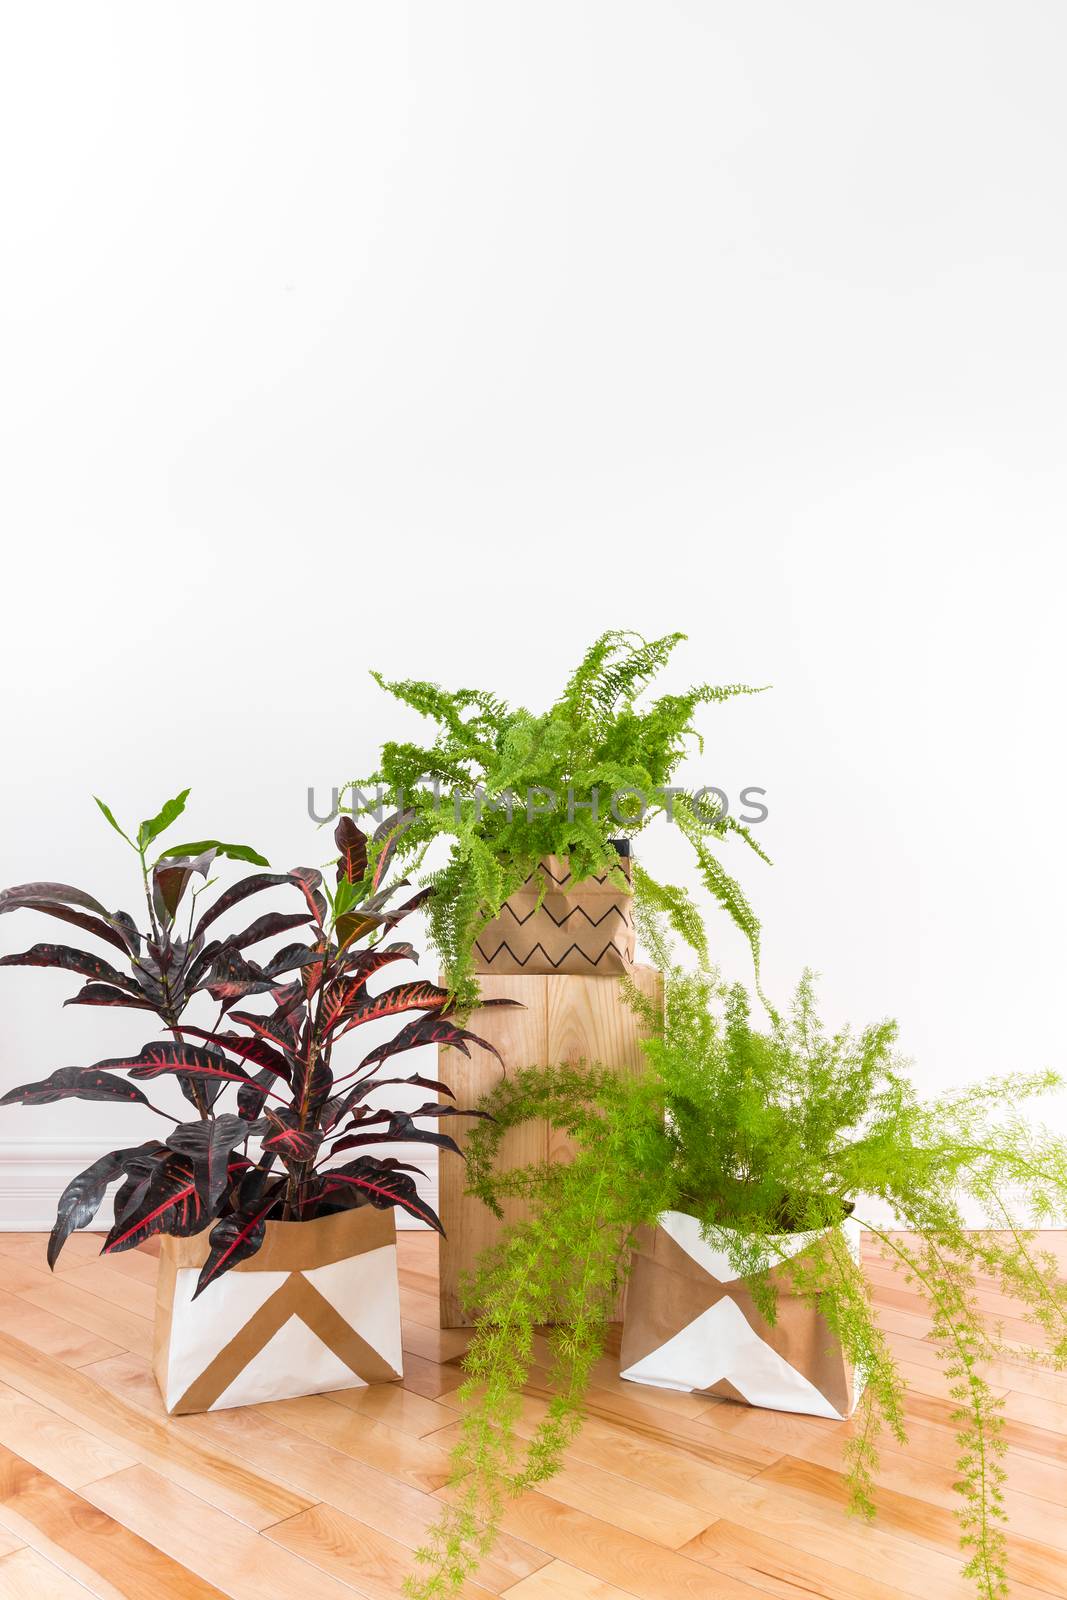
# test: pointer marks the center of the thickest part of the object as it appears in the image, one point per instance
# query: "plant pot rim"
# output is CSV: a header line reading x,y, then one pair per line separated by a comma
x,y
848,1208
286,1245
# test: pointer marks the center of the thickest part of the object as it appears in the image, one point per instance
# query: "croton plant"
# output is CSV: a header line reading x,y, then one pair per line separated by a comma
x,y
297,1110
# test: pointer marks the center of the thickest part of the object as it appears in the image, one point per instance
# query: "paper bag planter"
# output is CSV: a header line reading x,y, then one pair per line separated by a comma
x,y
692,1325
317,1308
586,928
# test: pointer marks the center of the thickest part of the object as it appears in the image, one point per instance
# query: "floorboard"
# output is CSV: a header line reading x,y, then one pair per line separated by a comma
x,y
664,1496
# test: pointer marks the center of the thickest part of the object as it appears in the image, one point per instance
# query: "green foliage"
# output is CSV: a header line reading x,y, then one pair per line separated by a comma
x,y
595,739
167,814
756,1134
232,852
561,1268
273,1158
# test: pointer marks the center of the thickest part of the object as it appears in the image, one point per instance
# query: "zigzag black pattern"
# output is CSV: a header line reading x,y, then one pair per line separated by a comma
x,y
626,920
567,878
521,961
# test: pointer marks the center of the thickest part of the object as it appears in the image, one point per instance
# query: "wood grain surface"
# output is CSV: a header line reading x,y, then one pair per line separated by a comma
x,y
664,1496
566,1018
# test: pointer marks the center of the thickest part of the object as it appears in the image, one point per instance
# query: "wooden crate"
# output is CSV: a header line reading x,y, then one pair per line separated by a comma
x,y
566,1019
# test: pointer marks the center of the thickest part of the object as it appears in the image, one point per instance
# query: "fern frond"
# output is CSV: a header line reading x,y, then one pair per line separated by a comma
x,y
593,741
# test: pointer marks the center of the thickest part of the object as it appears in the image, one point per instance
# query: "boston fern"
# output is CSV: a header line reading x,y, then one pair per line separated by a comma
x,y
756,1134
294,1103
486,782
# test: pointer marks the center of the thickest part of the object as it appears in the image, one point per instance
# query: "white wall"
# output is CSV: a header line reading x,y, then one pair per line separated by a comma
x,y
438,338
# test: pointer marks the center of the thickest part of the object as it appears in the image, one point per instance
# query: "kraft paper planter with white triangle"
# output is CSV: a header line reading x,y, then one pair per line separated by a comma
x,y
692,1325
317,1308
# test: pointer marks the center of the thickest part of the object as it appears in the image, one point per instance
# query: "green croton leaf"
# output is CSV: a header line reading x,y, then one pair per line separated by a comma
x,y
110,815
169,812
233,852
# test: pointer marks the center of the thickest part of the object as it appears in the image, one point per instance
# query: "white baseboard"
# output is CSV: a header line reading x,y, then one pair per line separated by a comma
x,y
34,1173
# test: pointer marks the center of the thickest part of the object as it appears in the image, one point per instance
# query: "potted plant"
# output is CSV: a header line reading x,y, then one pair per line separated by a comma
x,y
744,1152
295,1247
539,811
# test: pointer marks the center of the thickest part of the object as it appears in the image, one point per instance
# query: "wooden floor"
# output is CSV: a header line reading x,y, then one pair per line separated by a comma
x,y
666,1497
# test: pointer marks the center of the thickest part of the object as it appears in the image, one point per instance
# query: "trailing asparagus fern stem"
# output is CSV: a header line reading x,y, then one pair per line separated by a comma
x,y
562,1269
757,1134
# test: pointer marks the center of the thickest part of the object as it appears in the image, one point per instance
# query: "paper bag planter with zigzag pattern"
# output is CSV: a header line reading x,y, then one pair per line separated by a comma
x,y
692,1324
554,924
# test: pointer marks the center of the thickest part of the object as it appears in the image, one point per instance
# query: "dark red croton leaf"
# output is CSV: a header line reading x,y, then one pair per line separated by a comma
x,y
309,880
70,960
291,957
199,959
131,1192
76,1083
138,1171
379,900
83,1196
253,1048
234,1239
80,919
251,1097
351,841
363,964
334,1111
209,1144
400,1128
288,1140
104,994
361,1090
435,1109
406,907
307,985
277,1031
255,883
289,998
368,1179
170,1204
387,836
417,996
348,992
171,877
312,1082
341,995
233,978
36,895
253,1186
190,1060
428,1030
267,926
367,1116
126,928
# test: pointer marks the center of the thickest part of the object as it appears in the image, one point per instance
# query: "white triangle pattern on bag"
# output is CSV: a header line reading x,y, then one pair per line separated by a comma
x,y
363,1289
685,1231
366,1291
295,1361
196,1338
721,1344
